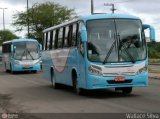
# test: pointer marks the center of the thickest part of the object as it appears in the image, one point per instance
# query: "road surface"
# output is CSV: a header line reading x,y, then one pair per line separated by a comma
x,y
29,93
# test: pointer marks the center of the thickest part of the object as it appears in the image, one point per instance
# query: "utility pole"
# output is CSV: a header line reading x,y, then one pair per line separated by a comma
x,y
27,19
113,7
3,18
92,7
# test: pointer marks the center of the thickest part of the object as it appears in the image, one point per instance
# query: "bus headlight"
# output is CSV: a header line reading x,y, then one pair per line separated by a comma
x,y
16,62
94,71
142,70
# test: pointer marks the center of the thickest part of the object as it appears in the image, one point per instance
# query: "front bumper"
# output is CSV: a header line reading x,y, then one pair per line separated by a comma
x,y
100,82
35,67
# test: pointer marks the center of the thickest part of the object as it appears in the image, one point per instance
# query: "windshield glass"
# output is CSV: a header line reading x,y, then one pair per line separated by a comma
x,y
115,40
26,50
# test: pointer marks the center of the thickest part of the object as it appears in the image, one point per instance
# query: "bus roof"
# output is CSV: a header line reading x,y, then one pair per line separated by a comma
x,y
19,40
94,16
108,16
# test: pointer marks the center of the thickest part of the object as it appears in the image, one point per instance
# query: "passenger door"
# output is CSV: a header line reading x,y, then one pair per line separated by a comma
x,y
81,59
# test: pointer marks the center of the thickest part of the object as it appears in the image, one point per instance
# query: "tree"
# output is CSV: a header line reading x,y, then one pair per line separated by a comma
x,y
40,17
154,50
6,35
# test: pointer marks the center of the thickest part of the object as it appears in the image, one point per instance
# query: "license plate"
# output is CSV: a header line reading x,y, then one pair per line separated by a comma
x,y
27,66
119,79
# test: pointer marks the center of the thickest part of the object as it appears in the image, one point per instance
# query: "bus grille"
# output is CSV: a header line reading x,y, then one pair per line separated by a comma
x,y
27,67
120,74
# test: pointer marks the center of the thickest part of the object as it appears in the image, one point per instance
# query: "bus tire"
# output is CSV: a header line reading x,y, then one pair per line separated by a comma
x,y
54,84
78,90
6,70
126,90
34,71
11,70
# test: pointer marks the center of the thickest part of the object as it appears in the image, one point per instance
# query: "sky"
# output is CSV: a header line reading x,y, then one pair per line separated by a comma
x,y
147,10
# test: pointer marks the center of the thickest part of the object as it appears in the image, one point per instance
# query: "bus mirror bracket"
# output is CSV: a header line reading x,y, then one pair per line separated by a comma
x,y
84,34
152,31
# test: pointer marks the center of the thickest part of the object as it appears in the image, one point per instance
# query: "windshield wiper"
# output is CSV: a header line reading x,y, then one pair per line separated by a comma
x,y
30,54
22,55
109,52
121,44
130,56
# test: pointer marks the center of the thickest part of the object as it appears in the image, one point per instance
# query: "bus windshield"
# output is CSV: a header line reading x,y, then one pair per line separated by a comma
x,y
115,40
26,50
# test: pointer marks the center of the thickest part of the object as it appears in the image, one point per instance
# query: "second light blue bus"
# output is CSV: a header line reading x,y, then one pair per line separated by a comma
x,y
21,55
97,52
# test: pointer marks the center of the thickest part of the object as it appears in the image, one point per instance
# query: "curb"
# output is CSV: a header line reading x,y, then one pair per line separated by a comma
x,y
155,64
157,78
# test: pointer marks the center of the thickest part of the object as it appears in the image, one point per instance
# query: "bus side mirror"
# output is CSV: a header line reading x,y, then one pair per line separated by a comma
x,y
84,34
13,48
152,31
40,47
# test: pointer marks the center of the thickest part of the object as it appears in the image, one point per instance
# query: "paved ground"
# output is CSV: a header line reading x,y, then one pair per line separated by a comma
x,y
154,71
29,93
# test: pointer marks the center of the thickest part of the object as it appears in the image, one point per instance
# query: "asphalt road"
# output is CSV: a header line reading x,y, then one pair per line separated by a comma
x,y
29,93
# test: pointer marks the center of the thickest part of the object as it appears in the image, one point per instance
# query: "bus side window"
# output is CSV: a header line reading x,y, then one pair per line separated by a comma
x,y
63,36
78,34
65,44
6,48
43,41
79,40
56,39
46,40
82,49
74,35
60,38
51,40
70,35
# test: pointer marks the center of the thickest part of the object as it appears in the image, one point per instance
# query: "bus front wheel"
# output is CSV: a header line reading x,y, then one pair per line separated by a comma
x,y
54,84
126,90
78,90
6,67
11,69
34,71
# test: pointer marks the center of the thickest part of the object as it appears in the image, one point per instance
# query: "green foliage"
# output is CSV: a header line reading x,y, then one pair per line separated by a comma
x,y
6,36
154,50
41,16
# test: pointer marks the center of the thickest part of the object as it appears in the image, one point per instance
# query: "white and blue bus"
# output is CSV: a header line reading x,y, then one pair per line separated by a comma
x,y
97,52
21,55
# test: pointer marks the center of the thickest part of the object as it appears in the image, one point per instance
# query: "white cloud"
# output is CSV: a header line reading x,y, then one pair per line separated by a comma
x,y
147,10
8,13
